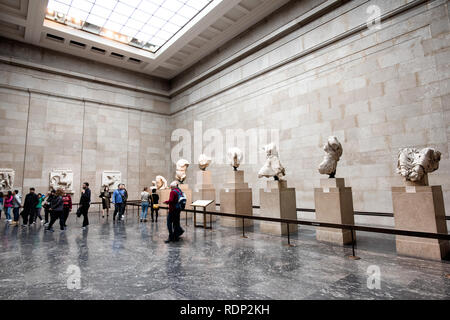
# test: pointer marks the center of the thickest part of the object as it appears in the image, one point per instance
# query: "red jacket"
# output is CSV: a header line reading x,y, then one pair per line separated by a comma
x,y
173,199
67,200
8,202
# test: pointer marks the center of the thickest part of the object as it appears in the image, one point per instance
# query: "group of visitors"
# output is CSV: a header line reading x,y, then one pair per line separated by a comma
x,y
57,205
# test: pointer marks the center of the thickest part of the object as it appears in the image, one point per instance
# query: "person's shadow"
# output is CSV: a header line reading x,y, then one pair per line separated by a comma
x,y
83,249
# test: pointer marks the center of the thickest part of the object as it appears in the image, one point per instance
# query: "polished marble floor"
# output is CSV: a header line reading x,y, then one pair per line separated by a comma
x,y
131,261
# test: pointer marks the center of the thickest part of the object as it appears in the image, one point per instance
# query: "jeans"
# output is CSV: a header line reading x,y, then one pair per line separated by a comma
x,y
144,210
16,214
118,209
173,225
38,214
8,213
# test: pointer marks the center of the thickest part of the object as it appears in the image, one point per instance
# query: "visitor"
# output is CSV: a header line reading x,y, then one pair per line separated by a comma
x,y
56,209
145,202
85,203
8,204
46,204
119,202
173,217
125,199
106,201
155,204
39,208
29,207
17,202
67,208
1,204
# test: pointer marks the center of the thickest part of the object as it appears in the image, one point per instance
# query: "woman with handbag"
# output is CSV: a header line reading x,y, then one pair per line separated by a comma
x,y
106,201
154,204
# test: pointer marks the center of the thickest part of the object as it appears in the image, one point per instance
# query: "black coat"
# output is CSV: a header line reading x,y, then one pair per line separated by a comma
x,y
85,199
31,201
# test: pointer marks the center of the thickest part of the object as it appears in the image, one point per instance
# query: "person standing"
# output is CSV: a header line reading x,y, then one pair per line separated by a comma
x,y
1,204
173,217
67,208
56,209
39,208
85,203
8,204
145,203
125,199
29,207
17,202
155,204
106,201
118,200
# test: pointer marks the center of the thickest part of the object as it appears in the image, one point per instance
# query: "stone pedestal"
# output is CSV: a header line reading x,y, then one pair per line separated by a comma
x,y
189,199
334,204
420,208
164,195
204,190
236,197
278,201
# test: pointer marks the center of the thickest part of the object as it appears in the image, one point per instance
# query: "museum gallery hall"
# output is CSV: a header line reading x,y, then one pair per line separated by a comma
x,y
225,150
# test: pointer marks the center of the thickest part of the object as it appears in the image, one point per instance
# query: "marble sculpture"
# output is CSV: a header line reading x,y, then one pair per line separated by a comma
x,y
413,164
273,166
7,179
161,183
111,179
235,156
203,162
182,166
333,148
61,179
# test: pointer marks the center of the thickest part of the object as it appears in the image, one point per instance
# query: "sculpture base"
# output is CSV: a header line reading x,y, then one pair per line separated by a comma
x,y
278,201
334,204
236,197
204,190
188,193
164,195
420,208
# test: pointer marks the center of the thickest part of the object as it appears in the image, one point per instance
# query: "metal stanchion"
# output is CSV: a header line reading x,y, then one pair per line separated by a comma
x,y
243,229
353,256
289,237
204,217
186,217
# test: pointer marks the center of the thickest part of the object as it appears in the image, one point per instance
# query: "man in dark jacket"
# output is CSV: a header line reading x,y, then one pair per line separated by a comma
x,y
85,203
56,209
173,217
29,207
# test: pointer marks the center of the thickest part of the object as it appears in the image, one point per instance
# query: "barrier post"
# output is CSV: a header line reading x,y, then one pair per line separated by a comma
x,y
243,229
353,256
289,236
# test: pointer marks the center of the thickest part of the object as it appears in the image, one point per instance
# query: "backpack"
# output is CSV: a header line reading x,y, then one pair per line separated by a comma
x,y
181,204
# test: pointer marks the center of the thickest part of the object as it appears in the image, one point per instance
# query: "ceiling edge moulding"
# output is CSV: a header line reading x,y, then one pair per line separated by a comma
x,y
80,99
327,43
81,76
261,43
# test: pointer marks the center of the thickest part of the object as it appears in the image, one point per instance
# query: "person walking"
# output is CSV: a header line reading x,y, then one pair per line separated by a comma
x,y
46,205
85,203
8,204
2,200
17,203
106,201
155,204
67,208
119,202
145,203
39,208
29,207
173,217
56,209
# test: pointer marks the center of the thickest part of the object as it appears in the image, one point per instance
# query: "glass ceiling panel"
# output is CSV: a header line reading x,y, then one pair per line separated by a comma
x,y
146,24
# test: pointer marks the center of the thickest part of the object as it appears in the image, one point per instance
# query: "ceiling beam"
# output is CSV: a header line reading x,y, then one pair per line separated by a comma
x,y
35,20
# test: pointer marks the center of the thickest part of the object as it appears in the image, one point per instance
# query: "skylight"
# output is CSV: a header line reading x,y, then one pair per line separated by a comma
x,y
146,24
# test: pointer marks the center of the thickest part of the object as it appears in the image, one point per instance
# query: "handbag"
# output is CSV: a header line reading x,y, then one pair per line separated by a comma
x,y
79,212
156,206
